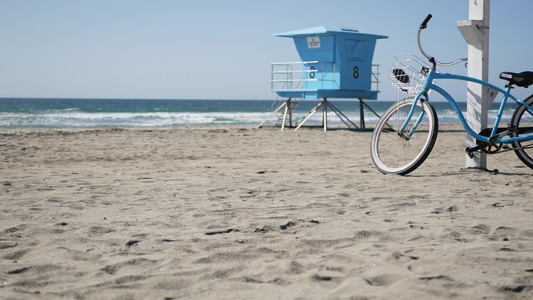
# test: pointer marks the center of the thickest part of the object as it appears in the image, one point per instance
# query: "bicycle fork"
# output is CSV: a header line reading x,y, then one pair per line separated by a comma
x,y
409,116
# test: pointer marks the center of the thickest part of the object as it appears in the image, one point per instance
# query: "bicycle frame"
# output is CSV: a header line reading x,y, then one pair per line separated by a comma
x,y
493,138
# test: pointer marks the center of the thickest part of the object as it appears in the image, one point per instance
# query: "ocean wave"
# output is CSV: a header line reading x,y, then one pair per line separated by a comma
x,y
124,113
77,119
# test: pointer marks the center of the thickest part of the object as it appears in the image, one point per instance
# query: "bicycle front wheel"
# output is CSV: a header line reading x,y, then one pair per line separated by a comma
x,y
522,122
398,152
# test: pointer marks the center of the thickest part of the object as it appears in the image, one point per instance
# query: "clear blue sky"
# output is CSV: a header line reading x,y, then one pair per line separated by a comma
x,y
213,49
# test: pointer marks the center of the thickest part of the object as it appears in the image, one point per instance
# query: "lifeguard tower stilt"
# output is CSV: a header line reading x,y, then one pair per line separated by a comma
x,y
336,63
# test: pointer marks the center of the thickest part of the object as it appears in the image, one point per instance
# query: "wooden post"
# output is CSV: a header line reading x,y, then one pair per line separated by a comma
x,y
476,33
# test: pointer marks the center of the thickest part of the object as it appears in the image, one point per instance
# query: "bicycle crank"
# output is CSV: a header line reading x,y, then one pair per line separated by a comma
x,y
490,147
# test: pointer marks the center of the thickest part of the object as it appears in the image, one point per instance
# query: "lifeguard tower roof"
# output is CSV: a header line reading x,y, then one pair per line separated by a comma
x,y
323,30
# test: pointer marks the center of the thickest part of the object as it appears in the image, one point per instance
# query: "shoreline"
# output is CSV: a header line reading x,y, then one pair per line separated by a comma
x,y
333,127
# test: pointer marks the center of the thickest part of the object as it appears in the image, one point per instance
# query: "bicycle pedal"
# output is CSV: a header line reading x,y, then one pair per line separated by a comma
x,y
470,151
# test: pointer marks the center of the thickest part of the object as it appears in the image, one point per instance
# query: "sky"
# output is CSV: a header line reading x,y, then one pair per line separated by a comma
x,y
213,49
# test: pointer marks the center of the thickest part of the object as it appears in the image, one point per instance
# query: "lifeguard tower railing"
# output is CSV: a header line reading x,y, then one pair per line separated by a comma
x,y
310,75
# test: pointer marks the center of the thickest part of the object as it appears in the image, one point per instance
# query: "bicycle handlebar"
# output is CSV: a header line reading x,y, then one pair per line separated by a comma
x,y
431,58
425,23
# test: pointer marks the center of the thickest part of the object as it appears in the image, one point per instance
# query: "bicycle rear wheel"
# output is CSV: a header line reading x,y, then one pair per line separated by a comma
x,y
522,122
400,153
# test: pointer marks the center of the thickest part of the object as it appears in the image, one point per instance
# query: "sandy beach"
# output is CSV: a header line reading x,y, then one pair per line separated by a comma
x,y
240,213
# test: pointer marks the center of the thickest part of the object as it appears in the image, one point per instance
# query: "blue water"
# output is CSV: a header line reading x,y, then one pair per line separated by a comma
x,y
132,113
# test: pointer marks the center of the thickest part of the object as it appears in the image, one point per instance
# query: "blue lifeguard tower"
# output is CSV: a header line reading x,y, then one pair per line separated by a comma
x,y
335,63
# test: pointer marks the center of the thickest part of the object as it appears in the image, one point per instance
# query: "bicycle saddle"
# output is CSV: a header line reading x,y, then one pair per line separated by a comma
x,y
524,79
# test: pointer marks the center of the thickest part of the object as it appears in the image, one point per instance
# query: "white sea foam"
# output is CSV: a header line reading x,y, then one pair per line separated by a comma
x,y
78,119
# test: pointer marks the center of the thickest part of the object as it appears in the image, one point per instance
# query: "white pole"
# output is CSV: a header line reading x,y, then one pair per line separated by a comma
x,y
476,33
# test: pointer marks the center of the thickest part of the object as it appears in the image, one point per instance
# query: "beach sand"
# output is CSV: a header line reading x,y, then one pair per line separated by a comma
x,y
239,213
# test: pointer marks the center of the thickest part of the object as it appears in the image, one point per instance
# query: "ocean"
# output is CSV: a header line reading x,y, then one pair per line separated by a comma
x,y
20,112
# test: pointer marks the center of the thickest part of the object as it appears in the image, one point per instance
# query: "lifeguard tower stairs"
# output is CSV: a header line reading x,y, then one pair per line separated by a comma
x,y
335,63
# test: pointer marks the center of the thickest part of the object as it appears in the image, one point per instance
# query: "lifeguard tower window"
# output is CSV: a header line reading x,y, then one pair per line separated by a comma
x,y
356,49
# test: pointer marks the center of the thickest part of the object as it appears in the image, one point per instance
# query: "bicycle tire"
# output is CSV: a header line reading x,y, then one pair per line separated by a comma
x,y
393,154
520,121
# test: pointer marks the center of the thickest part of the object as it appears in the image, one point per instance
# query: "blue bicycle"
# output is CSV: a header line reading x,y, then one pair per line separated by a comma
x,y
407,131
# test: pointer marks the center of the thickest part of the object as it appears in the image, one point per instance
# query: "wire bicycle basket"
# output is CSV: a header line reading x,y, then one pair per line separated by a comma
x,y
408,74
